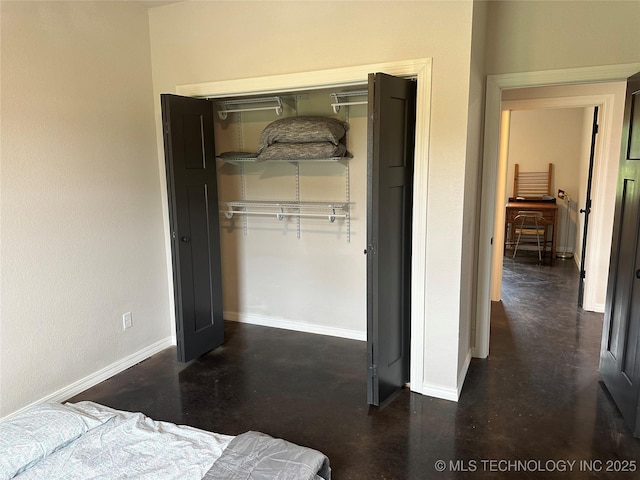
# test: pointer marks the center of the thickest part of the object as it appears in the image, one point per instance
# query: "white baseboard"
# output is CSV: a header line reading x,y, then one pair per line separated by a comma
x,y
598,308
440,392
296,326
102,374
447,393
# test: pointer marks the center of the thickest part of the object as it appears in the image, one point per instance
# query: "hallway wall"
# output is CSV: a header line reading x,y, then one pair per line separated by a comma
x,y
529,36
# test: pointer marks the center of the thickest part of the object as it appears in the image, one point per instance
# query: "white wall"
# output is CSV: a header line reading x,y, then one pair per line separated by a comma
x,y
540,137
528,36
196,42
472,190
270,276
81,238
499,214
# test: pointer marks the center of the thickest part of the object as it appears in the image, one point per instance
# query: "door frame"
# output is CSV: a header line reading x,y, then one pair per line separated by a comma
x,y
493,112
596,231
421,70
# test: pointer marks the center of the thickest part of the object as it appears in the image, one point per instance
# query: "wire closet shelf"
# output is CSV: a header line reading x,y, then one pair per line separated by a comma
x,y
280,210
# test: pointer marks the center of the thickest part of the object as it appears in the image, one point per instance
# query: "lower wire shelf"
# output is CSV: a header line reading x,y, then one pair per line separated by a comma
x,y
283,209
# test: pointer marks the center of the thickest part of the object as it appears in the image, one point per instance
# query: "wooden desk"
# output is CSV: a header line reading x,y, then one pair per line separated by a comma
x,y
550,215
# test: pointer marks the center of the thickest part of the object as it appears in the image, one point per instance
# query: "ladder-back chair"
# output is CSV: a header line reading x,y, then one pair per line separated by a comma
x,y
531,184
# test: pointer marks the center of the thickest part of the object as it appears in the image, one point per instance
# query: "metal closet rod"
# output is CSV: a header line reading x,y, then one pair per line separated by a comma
x,y
355,93
249,101
282,209
337,96
280,215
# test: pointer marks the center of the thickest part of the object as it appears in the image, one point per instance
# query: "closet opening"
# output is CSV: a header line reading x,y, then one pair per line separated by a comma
x,y
293,231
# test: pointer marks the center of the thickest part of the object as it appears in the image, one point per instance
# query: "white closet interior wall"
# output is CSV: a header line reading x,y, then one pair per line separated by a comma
x,y
314,283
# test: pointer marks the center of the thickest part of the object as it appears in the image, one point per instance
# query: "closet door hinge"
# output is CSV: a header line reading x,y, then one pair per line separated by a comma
x,y
373,370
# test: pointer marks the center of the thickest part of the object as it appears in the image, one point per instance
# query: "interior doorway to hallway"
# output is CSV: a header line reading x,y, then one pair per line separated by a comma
x,y
542,126
496,85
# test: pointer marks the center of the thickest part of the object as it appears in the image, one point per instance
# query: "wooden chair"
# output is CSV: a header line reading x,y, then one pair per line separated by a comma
x,y
531,184
526,226
530,223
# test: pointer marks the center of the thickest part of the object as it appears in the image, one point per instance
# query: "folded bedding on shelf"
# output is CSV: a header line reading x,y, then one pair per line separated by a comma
x,y
302,151
303,130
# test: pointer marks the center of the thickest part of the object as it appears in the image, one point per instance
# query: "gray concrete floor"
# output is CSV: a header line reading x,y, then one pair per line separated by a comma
x,y
536,400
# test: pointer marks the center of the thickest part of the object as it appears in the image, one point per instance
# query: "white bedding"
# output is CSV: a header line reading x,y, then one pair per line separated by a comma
x,y
130,445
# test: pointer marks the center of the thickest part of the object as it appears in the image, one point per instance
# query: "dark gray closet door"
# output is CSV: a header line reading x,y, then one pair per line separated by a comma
x,y
193,211
391,138
620,351
587,206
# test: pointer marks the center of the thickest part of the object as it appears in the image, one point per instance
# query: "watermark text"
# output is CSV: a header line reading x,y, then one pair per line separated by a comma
x,y
536,465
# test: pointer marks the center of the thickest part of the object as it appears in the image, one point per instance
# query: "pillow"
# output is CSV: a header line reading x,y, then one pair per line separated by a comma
x,y
302,151
29,436
303,130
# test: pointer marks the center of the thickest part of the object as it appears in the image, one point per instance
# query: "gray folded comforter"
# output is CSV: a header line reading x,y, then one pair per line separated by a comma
x,y
303,130
256,456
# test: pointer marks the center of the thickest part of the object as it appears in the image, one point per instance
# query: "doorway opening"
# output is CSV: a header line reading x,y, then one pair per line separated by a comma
x,y
496,84
558,130
421,70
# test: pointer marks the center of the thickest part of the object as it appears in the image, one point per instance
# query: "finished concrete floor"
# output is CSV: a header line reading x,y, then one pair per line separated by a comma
x,y
535,405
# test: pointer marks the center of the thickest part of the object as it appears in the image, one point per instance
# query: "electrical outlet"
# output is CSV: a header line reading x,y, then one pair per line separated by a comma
x,y
127,321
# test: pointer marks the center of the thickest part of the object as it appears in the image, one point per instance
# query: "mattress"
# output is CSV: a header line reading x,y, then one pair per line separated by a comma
x,y
87,440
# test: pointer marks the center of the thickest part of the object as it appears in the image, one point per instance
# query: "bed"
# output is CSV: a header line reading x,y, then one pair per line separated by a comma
x,y
87,440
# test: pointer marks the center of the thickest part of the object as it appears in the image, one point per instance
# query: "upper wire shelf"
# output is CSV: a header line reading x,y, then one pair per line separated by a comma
x,y
338,96
249,105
